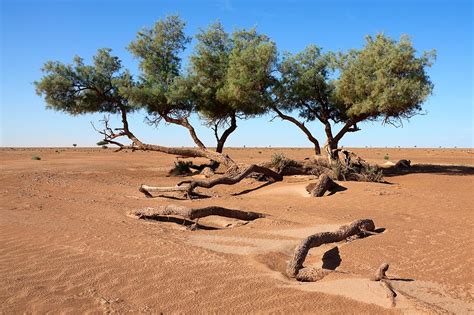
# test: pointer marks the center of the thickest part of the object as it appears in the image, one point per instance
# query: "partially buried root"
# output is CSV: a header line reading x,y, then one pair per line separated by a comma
x,y
188,186
295,267
382,277
324,183
195,213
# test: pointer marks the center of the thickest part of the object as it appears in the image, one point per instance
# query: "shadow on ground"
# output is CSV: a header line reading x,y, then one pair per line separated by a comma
x,y
458,170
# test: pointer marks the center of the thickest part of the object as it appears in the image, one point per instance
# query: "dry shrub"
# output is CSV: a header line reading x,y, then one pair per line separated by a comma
x,y
181,168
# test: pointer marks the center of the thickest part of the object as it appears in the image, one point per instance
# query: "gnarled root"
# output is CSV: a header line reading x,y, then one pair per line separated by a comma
x,y
296,264
324,183
188,186
195,213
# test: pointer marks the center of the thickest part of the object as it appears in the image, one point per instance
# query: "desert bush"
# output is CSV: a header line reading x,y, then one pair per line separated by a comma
x,y
181,168
105,147
36,158
102,142
279,162
386,157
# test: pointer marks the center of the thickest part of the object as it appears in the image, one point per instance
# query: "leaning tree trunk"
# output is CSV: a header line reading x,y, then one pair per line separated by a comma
x,y
295,267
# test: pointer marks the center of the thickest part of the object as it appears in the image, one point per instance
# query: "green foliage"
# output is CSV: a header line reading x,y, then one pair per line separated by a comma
x,y
384,79
249,78
102,142
386,157
36,158
78,88
158,50
181,168
305,83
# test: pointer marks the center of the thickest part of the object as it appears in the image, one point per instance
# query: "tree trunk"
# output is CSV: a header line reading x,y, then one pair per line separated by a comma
x,y
188,186
317,149
295,266
223,138
196,213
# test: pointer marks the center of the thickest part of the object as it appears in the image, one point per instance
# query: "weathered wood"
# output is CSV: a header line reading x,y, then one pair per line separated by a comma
x,y
188,186
324,183
315,240
380,273
196,213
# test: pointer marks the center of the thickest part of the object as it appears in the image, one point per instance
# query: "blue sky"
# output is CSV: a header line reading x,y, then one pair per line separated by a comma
x,y
33,32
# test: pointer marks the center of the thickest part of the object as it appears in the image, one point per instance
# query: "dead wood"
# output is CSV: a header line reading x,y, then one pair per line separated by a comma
x,y
403,164
296,263
232,177
195,213
324,183
380,275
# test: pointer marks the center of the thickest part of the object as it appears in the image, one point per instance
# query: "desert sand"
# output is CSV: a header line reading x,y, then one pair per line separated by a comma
x,y
67,243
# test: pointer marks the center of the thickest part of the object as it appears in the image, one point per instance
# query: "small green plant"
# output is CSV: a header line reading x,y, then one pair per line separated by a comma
x,y
36,158
181,168
105,147
386,157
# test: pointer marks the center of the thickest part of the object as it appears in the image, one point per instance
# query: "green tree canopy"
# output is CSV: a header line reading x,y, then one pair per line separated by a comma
x,y
78,88
383,80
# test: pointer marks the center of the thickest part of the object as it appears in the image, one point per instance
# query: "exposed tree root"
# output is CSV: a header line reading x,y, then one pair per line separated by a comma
x,y
324,183
380,275
195,213
296,263
188,186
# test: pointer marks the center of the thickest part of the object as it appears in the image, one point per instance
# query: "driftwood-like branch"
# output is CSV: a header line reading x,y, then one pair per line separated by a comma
x,y
196,213
295,266
324,183
188,186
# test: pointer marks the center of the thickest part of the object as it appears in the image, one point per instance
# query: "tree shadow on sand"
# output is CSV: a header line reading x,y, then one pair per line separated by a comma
x,y
458,170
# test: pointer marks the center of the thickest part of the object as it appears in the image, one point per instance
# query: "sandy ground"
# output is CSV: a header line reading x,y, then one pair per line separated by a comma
x,y
67,243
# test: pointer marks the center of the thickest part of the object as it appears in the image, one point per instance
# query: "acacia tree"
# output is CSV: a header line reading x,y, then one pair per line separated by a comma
x,y
228,78
105,87
384,80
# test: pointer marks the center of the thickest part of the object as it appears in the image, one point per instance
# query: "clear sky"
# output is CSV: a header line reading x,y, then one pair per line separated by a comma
x,y
33,32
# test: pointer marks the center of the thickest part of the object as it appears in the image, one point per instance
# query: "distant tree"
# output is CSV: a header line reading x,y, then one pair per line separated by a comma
x,y
384,80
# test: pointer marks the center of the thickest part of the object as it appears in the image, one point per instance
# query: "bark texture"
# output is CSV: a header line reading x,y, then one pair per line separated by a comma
x,y
295,266
324,183
196,213
188,186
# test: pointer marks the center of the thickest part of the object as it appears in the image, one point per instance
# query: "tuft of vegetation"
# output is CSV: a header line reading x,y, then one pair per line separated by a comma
x,y
105,147
74,144
279,162
36,158
363,173
181,168
102,142
386,157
